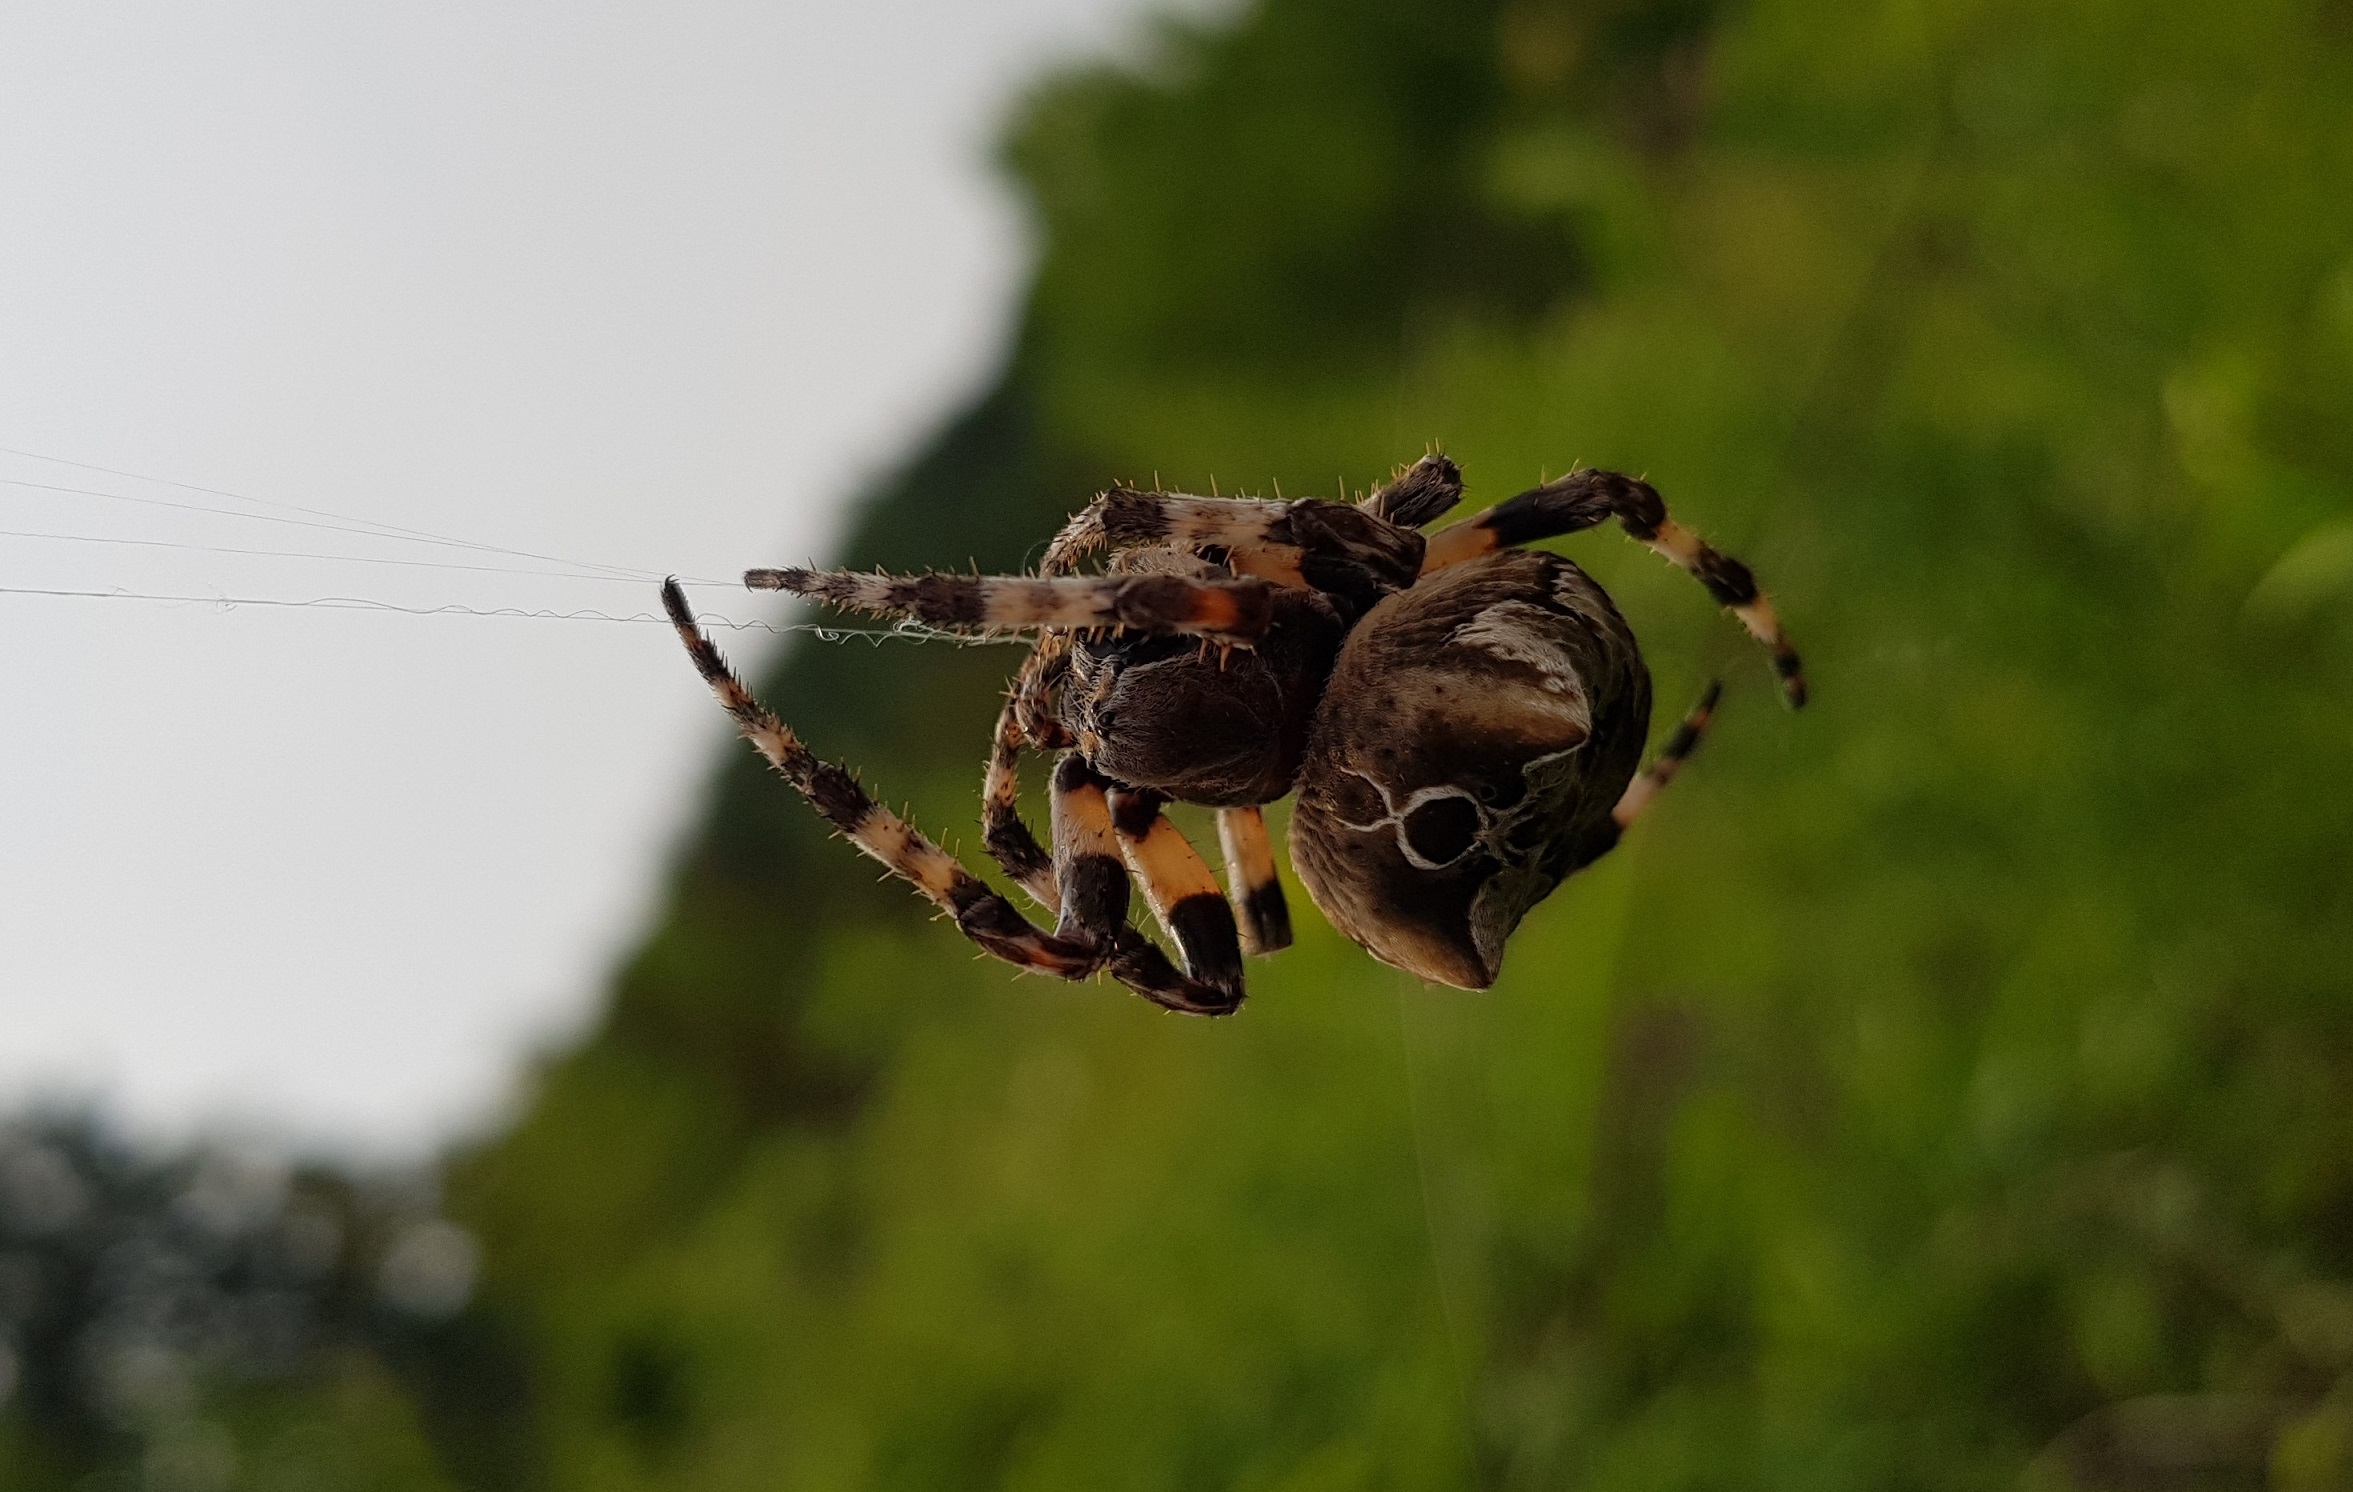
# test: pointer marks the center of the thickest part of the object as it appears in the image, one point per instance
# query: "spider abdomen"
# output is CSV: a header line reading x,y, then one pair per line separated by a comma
x,y
1474,737
1225,728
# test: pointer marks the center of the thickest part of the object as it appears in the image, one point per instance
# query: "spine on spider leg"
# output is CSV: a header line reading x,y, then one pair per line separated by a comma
x,y
984,916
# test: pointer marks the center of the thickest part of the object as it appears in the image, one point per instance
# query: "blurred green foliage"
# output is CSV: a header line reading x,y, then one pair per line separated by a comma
x,y
1945,1088
1949,1086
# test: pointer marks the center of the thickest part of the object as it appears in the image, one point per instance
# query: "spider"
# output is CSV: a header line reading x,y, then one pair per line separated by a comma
x,y
1461,719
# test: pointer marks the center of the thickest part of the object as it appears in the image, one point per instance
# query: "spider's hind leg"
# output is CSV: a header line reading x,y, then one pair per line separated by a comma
x,y
1669,761
1584,498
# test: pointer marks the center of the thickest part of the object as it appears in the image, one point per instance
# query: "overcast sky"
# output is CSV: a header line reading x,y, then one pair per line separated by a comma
x,y
645,286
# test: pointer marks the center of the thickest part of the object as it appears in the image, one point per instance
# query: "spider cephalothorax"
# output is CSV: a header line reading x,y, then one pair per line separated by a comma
x,y
1462,722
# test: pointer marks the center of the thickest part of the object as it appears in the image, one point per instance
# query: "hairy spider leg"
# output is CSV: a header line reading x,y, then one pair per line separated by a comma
x,y
1125,518
980,913
1662,768
1178,886
1034,688
1418,494
1002,832
1585,498
1139,964
1090,874
1345,549
1252,883
1091,870
1024,722
1224,611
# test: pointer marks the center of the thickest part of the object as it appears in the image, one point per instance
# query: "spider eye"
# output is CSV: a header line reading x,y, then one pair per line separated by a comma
x,y
1441,830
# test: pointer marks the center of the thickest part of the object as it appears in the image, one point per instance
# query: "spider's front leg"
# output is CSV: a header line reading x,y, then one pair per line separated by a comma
x,y
1127,518
1264,538
1342,549
1223,611
979,912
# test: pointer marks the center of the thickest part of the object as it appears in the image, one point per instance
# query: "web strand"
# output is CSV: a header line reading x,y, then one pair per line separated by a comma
x,y
329,521
346,523
346,559
905,632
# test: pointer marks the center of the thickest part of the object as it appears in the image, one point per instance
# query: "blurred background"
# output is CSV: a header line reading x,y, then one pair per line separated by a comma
x,y
1946,1087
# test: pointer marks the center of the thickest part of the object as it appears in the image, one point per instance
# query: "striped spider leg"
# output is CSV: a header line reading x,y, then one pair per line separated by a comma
x,y
1585,498
980,913
1221,611
1252,882
1255,536
1027,722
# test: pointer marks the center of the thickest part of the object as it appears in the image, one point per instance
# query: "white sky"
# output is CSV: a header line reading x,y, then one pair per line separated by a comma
x,y
649,285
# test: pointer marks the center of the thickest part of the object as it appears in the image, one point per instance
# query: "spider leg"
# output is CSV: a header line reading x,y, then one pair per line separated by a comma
x,y
1226,611
980,913
1183,895
1341,548
1022,723
1585,498
1124,518
1003,833
1421,492
1090,877
1251,881
1662,768
1092,888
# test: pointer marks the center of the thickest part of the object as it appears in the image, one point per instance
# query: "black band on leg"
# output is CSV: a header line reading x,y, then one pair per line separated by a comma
x,y
1269,916
1092,877
1133,809
1204,928
1141,966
